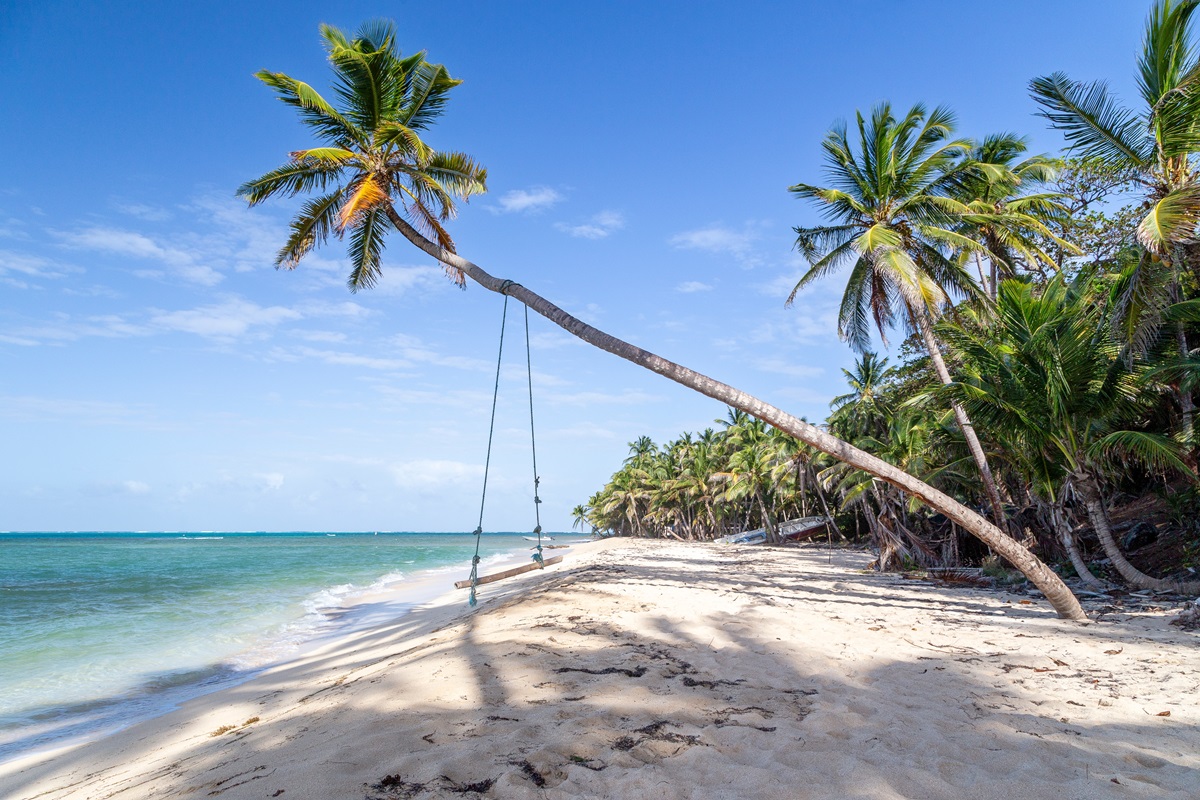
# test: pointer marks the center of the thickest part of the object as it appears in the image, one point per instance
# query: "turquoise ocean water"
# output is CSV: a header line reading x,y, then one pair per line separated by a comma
x,y
100,629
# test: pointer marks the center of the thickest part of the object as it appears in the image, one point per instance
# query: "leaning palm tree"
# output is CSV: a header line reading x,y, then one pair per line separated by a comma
x,y
1157,144
894,224
370,77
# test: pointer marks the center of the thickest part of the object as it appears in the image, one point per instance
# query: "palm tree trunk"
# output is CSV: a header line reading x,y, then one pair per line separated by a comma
x,y
768,523
1056,592
1093,500
824,505
1186,405
964,422
1072,547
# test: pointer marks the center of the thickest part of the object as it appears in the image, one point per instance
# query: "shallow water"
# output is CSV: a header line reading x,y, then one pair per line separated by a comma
x,y
99,629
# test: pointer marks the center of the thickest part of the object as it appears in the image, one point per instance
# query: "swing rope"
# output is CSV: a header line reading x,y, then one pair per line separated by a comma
x,y
488,459
537,501
537,514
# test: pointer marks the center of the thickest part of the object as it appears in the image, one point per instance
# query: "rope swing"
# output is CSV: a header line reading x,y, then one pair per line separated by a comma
x,y
537,556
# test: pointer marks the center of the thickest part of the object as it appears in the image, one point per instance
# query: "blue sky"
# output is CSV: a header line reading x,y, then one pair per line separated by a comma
x,y
156,373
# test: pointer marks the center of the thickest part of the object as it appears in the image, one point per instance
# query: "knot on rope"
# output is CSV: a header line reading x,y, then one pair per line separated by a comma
x,y
538,556
477,531
538,530
475,560
504,287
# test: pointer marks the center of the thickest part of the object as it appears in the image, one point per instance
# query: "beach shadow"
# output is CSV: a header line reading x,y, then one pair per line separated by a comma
x,y
580,683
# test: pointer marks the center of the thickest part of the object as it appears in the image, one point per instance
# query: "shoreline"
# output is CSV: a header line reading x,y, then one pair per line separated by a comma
x,y
75,725
690,671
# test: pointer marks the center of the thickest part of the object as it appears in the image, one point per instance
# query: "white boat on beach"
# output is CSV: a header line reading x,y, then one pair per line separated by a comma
x,y
792,529
534,538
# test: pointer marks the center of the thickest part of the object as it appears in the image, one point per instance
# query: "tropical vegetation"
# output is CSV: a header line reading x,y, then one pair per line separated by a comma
x,y
1048,303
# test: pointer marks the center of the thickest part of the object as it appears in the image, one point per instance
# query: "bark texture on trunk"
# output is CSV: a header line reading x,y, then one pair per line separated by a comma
x,y
964,422
1187,406
1072,547
1057,593
1093,500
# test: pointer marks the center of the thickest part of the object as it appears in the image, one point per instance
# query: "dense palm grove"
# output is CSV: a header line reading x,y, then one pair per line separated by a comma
x,y
1046,308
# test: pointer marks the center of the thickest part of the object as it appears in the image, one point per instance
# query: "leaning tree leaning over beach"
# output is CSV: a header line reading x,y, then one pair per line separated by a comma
x,y
376,175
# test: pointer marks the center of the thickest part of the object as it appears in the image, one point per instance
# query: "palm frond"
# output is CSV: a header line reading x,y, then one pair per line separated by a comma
x,y
314,110
1167,55
1172,220
363,196
360,68
391,134
366,248
295,177
338,156
310,228
430,84
1092,121
460,174
1149,449
813,243
427,222
878,236
825,264
862,303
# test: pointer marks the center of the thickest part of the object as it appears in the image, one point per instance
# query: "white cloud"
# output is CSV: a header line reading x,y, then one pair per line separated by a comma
x,y
522,200
31,266
271,481
127,243
722,240
350,359
598,227
142,211
812,325
429,474
230,320
585,430
200,274
402,280
136,487
183,262
414,349
329,337
782,367
554,339
630,398
782,285
688,287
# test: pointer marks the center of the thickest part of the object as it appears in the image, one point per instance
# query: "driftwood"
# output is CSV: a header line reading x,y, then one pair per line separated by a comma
x,y
508,573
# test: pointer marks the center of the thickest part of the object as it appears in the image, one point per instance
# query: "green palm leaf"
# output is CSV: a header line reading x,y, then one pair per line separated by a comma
x,y
1092,121
366,249
1170,220
296,177
310,228
383,170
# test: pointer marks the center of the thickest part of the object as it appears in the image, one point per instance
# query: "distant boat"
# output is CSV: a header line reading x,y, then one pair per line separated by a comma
x,y
534,538
331,534
792,529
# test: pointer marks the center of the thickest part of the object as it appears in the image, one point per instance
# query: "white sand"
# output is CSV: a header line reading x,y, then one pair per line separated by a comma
x,y
662,670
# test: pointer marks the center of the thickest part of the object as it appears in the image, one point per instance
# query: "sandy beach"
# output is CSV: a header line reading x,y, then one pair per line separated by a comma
x,y
659,669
